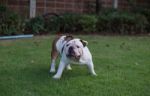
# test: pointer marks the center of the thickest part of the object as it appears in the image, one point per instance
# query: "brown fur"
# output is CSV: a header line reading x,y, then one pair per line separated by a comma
x,y
54,52
68,38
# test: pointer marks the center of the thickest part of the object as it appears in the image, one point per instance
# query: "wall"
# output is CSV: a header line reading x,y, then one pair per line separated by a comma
x,y
62,6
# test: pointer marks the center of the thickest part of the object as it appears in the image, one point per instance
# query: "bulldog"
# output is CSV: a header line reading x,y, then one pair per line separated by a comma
x,y
71,50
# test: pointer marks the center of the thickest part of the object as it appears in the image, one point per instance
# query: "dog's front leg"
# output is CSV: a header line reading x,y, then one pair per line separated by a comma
x,y
60,70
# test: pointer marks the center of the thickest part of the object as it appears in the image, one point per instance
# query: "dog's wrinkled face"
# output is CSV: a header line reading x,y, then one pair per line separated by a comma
x,y
74,49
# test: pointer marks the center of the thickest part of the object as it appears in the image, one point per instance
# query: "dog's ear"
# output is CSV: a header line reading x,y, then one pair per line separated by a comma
x,y
85,43
68,37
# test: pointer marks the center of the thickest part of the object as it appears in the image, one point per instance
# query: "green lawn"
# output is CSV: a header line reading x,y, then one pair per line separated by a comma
x,y
122,65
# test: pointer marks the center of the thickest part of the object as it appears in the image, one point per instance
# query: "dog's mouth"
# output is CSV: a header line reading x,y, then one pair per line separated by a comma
x,y
72,55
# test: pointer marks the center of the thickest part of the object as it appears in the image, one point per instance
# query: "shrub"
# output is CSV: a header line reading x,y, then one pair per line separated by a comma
x,y
64,23
88,23
35,25
69,22
52,24
141,23
122,22
114,21
103,23
10,22
146,13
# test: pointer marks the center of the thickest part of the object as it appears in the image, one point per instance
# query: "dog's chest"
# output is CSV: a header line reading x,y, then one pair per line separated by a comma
x,y
60,43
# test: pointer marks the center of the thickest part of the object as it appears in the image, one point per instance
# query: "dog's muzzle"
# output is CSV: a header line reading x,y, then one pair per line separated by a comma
x,y
72,54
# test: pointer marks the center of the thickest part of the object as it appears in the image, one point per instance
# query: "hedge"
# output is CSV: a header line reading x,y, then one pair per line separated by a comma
x,y
122,23
111,21
10,22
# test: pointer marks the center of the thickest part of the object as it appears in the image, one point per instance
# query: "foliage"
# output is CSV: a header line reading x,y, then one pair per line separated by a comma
x,y
69,22
35,25
88,23
65,23
108,21
10,22
52,24
122,22
146,13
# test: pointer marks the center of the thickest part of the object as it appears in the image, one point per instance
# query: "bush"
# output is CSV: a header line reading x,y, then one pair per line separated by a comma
x,y
122,22
88,23
10,22
103,23
64,23
35,25
69,22
108,21
146,13
52,24
113,21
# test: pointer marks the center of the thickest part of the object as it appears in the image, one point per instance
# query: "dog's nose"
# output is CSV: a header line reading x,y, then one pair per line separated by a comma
x,y
71,50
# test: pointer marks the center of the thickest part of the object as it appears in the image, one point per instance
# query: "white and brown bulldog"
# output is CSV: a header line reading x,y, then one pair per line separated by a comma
x,y
71,50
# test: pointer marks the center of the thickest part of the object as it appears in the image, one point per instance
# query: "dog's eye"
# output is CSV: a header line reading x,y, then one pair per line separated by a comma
x,y
67,45
78,47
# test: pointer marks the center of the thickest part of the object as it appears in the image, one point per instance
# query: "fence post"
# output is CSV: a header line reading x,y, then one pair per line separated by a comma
x,y
115,4
32,8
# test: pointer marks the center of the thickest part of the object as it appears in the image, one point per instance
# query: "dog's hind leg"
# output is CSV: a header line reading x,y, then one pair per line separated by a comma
x,y
91,68
54,55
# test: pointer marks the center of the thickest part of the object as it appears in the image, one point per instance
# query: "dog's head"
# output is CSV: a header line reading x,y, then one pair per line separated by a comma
x,y
74,48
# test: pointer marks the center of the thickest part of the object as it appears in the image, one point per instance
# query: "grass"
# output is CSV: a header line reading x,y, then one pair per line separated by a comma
x,y
122,65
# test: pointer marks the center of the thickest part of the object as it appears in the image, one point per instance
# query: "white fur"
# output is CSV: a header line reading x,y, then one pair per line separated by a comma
x,y
85,59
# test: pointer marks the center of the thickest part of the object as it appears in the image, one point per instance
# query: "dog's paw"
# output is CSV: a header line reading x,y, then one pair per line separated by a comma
x,y
52,70
56,77
69,68
94,74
